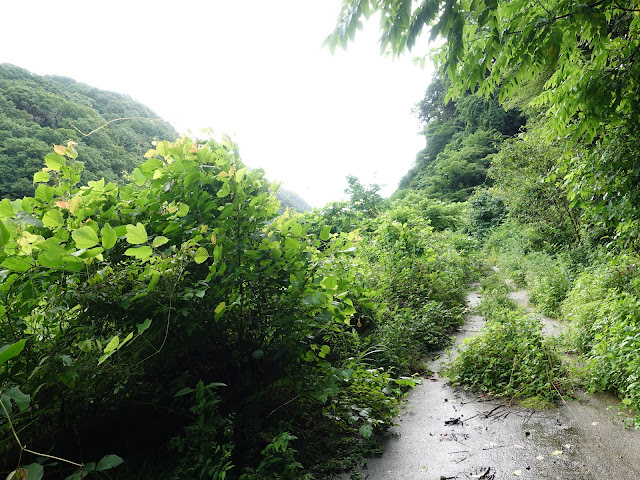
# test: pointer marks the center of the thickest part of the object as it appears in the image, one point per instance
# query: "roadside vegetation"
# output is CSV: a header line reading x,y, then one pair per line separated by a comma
x,y
162,314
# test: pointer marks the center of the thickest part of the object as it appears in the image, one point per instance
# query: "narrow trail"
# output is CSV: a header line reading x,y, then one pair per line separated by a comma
x,y
444,432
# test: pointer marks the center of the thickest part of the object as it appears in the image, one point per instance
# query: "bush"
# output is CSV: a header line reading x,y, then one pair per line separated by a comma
x,y
603,308
509,357
549,280
408,338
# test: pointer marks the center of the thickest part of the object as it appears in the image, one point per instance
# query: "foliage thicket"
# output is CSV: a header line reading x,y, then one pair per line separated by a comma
x,y
569,182
181,299
510,356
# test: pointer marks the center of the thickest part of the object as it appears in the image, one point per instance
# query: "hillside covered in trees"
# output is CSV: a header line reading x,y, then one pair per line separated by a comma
x,y
37,112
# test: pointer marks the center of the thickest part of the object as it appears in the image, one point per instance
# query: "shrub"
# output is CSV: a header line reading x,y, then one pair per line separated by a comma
x,y
509,357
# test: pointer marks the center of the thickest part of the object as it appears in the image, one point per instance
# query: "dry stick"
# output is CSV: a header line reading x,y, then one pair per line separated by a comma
x,y
109,122
23,448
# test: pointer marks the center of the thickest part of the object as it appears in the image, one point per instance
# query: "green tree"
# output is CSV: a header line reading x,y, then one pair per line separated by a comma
x,y
364,199
585,53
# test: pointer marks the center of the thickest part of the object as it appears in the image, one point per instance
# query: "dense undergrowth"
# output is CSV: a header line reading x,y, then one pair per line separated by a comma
x,y
594,292
510,356
179,323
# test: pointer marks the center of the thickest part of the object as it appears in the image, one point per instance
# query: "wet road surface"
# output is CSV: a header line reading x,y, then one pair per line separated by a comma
x,y
447,433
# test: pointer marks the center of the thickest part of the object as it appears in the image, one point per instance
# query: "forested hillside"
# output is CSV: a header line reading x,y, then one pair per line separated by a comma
x,y
37,112
461,136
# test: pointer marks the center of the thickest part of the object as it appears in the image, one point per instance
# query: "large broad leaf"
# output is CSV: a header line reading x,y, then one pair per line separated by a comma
x,y
40,177
140,253
22,400
5,235
201,255
325,233
53,218
85,237
17,264
136,234
109,461
35,471
12,350
159,241
109,236
44,193
6,209
54,161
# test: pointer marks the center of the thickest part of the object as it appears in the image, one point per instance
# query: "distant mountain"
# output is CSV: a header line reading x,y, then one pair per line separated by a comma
x,y
291,200
39,111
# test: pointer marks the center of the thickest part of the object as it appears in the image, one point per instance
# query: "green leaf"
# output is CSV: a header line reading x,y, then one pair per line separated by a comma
x,y
53,218
22,400
17,264
183,391
159,241
142,327
35,471
324,350
325,233
40,177
183,209
10,351
54,161
91,252
330,283
224,191
109,461
85,237
366,431
136,234
44,193
201,255
109,236
220,309
138,177
5,235
6,209
141,253
112,345
241,173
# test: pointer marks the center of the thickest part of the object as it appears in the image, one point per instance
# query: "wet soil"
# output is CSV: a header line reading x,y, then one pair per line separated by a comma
x,y
448,433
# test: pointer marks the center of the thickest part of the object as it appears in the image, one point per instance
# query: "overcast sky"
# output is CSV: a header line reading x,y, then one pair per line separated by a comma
x,y
254,69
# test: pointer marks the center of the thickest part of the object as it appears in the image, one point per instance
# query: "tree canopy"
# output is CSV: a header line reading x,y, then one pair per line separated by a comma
x,y
590,49
578,62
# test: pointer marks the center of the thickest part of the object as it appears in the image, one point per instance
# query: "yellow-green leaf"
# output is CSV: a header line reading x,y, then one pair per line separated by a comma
x,y
53,218
60,149
41,176
109,236
325,233
54,161
201,255
159,241
85,237
140,253
136,234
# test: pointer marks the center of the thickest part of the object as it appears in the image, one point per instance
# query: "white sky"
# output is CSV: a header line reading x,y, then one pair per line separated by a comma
x,y
254,69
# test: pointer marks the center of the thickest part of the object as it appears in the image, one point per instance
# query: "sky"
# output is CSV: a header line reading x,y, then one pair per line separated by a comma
x,y
253,69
